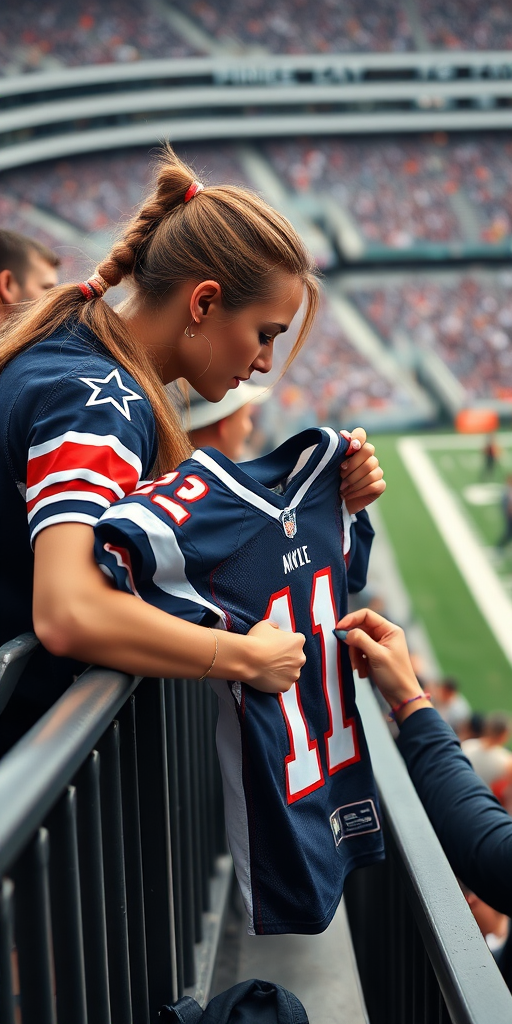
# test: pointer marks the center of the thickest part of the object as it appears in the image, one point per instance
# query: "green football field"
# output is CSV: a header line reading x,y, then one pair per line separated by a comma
x,y
461,637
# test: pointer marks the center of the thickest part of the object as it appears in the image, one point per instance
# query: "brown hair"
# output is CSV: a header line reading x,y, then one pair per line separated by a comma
x,y
225,232
15,252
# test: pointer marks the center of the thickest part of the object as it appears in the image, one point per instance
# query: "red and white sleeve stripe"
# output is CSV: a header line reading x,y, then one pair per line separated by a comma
x,y
77,468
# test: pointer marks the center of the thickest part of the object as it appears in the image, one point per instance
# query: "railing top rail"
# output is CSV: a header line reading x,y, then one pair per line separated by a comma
x,y
36,770
186,67
467,973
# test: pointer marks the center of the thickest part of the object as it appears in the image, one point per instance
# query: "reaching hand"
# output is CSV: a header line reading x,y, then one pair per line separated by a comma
x,y
379,648
362,479
277,657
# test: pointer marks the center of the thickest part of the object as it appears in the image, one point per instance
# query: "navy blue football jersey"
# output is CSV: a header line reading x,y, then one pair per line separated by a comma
x,y
218,543
77,434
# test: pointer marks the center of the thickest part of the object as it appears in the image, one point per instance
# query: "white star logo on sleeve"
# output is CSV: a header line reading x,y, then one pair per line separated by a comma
x,y
119,395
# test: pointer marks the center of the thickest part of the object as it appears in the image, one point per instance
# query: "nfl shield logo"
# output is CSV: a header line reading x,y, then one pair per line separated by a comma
x,y
289,522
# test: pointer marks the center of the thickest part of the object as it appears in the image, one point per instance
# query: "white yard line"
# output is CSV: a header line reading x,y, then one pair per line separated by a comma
x,y
460,538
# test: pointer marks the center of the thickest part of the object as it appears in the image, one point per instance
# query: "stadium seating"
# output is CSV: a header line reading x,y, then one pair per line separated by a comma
x,y
35,36
467,321
467,24
409,193
302,26
96,192
331,381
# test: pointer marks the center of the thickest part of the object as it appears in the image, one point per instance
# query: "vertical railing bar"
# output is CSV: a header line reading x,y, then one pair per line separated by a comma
x,y
204,833
174,809
115,883
66,909
156,843
7,953
92,886
186,837
210,755
32,931
133,864
191,693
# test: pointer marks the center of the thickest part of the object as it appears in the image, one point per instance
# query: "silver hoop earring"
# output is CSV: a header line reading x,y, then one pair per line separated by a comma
x,y
200,334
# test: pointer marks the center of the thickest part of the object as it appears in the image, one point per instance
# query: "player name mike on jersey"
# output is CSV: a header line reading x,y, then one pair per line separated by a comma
x,y
294,559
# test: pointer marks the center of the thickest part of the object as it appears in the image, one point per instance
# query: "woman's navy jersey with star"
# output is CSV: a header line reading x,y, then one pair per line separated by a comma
x,y
77,434
219,543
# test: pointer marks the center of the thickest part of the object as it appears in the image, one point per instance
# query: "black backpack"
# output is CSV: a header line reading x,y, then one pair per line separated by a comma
x,y
250,1002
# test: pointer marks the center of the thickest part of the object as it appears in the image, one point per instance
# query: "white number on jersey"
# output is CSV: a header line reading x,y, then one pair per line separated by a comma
x,y
303,767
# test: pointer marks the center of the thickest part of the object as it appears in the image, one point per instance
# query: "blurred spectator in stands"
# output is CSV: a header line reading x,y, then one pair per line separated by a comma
x,y
489,756
225,425
451,704
27,270
491,454
472,729
506,504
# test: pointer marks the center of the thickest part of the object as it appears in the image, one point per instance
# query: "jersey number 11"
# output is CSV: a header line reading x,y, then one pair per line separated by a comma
x,y
303,766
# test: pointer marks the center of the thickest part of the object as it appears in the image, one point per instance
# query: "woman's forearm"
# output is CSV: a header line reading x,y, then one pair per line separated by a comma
x,y
78,614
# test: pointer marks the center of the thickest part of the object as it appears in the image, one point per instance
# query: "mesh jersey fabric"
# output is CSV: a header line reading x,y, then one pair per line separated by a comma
x,y
77,433
216,542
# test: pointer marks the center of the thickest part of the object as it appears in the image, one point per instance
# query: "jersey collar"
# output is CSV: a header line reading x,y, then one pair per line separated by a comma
x,y
252,481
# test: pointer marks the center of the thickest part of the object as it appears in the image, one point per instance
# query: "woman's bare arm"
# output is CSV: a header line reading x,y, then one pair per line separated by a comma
x,y
78,614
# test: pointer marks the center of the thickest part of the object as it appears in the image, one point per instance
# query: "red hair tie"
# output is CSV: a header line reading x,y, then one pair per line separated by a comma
x,y
94,287
192,191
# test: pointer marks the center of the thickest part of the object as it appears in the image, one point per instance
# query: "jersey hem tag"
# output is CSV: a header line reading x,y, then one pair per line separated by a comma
x,y
355,819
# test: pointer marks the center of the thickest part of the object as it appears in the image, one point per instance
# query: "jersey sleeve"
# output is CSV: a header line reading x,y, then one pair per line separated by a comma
x,y
358,555
89,444
138,547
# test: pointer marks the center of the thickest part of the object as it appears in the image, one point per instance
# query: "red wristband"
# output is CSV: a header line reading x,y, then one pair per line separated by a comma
x,y
394,711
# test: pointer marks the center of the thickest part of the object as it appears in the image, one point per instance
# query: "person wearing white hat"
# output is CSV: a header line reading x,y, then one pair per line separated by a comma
x,y
225,425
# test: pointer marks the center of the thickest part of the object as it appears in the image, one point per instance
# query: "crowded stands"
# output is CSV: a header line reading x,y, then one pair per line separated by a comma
x,y
53,33
400,192
96,192
301,26
467,24
330,380
396,192
467,322
38,36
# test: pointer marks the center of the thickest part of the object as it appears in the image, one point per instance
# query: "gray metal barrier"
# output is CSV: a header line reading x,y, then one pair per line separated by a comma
x,y
420,954
111,831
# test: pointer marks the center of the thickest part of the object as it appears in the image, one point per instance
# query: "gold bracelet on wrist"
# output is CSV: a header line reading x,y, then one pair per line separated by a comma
x,y
208,670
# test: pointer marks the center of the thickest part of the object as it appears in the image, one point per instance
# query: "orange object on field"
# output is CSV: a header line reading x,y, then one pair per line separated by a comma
x,y
476,421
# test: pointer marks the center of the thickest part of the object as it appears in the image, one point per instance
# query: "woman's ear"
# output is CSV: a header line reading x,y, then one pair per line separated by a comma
x,y
206,297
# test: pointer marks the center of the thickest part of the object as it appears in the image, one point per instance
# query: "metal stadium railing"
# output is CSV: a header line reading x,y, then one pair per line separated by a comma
x,y
420,954
111,836
114,875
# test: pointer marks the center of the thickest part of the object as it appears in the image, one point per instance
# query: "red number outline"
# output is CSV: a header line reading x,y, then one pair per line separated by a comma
x,y
347,722
312,744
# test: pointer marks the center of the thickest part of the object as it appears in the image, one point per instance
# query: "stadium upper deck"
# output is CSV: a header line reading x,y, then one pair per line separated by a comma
x,y
54,32
34,36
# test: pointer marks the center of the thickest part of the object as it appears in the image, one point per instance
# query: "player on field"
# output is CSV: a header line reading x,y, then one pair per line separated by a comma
x,y
217,275
27,270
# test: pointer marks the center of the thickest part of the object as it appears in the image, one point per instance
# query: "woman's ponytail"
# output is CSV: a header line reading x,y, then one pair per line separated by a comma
x,y
180,233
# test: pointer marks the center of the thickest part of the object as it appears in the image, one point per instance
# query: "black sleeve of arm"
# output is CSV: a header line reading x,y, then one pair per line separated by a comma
x,y
474,829
361,537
